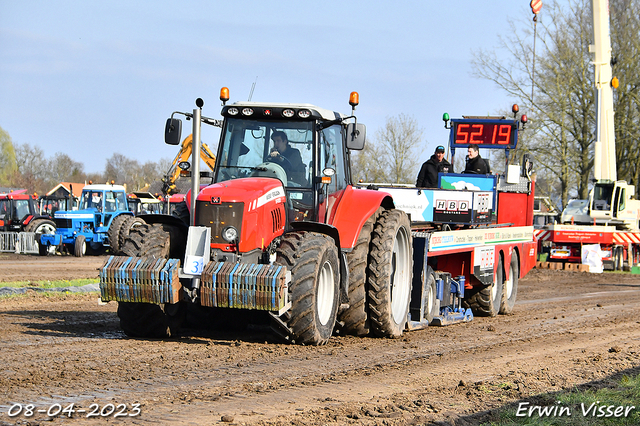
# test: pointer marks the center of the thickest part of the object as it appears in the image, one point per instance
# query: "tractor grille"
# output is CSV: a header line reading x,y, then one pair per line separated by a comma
x,y
62,223
276,215
218,217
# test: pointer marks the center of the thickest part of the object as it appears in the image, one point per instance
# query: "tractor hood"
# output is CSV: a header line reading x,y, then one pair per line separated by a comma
x,y
75,214
253,209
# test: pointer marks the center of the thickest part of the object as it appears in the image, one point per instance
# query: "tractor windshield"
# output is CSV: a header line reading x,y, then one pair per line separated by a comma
x,y
279,149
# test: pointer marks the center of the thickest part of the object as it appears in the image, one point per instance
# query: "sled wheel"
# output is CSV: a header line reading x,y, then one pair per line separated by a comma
x,y
80,246
114,234
431,305
312,259
389,273
510,287
486,302
354,320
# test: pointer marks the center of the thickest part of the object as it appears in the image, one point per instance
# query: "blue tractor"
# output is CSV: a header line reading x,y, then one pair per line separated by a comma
x,y
102,221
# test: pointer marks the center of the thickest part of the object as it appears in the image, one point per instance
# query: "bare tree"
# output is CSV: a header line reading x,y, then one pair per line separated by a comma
x,y
562,102
399,140
369,165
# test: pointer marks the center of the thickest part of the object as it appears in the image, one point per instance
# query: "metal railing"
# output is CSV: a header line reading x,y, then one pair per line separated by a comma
x,y
18,242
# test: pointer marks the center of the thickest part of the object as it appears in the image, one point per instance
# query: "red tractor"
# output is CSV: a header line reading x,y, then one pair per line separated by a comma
x,y
19,213
281,231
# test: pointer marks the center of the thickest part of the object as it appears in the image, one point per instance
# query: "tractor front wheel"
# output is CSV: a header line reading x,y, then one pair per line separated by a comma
x,y
80,246
146,319
313,261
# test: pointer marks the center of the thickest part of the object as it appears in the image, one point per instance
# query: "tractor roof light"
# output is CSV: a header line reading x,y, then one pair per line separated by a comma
x,y
304,113
224,95
524,119
233,111
288,113
247,111
354,99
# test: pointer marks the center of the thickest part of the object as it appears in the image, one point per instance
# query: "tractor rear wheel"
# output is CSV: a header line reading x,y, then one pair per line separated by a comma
x,y
486,302
510,287
181,212
389,273
80,246
354,320
129,223
114,234
313,261
146,319
40,227
147,240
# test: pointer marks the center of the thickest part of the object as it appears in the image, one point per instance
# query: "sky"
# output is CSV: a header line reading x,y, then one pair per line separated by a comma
x,y
94,78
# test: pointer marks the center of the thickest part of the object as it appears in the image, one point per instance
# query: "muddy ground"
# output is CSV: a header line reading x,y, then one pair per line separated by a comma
x,y
568,329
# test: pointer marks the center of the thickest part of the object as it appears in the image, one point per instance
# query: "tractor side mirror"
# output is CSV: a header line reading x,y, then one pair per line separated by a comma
x,y
356,135
173,131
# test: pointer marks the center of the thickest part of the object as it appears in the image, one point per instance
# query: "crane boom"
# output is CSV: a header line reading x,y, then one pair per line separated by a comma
x,y
605,145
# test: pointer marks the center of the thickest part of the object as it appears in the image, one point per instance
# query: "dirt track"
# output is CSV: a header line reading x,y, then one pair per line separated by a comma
x,y
567,329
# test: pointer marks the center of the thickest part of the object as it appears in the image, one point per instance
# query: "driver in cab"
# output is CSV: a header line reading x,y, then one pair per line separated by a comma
x,y
287,157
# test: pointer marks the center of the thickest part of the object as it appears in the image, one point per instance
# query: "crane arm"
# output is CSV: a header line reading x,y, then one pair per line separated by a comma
x,y
605,145
169,181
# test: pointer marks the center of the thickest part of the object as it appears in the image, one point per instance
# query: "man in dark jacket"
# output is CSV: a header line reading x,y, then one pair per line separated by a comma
x,y
475,163
289,158
428,176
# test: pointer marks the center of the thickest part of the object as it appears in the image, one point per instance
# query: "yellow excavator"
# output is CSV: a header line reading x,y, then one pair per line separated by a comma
x,y
181,165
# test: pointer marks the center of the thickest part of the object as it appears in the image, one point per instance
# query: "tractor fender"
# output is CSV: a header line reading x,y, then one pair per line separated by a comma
x,y
332,232
164,219
355,207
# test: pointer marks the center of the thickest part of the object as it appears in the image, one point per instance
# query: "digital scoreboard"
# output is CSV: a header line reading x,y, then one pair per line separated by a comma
x,y
484,133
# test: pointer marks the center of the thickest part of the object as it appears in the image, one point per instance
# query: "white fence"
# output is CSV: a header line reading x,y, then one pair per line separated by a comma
x,y
18,242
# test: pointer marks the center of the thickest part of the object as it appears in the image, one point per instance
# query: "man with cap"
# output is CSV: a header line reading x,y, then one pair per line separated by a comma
x,y
428,176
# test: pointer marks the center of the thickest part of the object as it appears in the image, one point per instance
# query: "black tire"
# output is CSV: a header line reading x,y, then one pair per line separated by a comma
x,y
510,286
355,319
145,319
151,321
114,234
430,298
486,301
389,273
312,259
80,246
40,227
181,212
147,240
129,223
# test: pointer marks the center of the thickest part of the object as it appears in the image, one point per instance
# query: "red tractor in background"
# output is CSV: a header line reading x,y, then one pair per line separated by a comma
x,y
19,213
